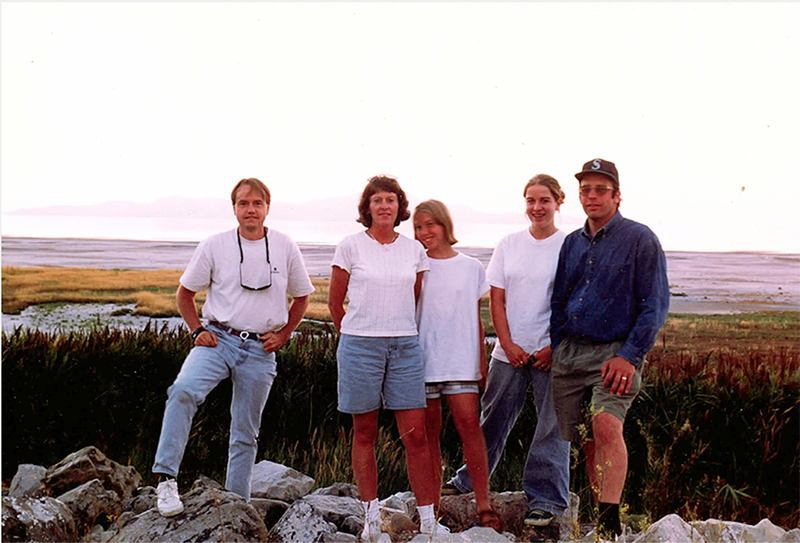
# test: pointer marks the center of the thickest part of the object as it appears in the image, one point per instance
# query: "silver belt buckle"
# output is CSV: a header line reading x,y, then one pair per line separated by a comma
x,y
244,334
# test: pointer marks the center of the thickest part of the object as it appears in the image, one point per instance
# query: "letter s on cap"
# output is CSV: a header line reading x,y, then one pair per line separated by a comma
x,y
596,164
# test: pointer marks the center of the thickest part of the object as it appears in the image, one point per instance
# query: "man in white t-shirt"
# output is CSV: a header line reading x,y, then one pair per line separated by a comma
x,y
248,273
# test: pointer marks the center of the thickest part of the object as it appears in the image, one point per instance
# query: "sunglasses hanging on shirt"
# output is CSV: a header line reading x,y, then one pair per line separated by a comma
x,y
253,275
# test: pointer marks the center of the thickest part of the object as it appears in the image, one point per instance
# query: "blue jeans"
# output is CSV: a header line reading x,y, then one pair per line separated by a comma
x,y
546,477
252,371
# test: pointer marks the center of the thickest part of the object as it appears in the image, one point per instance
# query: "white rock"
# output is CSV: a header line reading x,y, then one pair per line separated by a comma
x,y
718,531
763,532
792,536
670,529
278,482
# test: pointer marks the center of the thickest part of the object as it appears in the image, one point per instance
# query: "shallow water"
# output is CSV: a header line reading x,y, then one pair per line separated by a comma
x,y
700,282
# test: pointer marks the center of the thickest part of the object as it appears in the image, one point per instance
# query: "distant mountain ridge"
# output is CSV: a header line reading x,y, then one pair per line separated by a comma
x,y
336,208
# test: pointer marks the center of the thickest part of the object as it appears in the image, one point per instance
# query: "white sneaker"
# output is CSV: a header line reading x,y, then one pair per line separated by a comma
x,y
169,501
372,522
434,529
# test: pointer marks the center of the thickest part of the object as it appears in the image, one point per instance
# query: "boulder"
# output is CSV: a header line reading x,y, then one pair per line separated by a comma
x,y
310,517
460,512
143,498
302,523
269,510
278,482
473,535
339,489
91,504
37,519
763,531
792,536
86,464
717,531
27,482
668,530
211,514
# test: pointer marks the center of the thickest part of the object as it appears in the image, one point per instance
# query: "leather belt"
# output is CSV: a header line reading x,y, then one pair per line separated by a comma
x,y
242,334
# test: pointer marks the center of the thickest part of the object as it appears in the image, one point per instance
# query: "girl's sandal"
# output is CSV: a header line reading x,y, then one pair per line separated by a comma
x,y
490,519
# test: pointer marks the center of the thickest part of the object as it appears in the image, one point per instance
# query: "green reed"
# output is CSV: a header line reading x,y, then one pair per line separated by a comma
x,y
714,432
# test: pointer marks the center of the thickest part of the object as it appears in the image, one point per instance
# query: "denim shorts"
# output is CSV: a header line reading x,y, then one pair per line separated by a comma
x,y
578,391
435,390
372,369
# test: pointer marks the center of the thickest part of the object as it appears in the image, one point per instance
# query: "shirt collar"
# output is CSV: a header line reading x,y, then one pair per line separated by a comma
x,y
608,227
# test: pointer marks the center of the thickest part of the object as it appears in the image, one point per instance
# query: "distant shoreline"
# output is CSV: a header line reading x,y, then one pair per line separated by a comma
x,y
701,282
333,245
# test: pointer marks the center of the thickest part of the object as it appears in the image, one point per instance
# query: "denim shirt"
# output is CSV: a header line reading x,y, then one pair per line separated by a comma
x,y
611,287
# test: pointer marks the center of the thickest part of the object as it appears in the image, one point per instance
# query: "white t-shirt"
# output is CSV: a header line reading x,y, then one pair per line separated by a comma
x,y
447,317
215,266
381,287
525,267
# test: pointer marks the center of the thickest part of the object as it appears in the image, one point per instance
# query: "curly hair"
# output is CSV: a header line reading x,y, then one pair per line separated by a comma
x,y
382,183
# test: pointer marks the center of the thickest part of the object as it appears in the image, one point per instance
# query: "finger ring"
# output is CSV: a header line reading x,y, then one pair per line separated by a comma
x,y
624,378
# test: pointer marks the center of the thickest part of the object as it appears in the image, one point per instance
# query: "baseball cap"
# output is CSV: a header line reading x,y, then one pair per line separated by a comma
x,y
598,165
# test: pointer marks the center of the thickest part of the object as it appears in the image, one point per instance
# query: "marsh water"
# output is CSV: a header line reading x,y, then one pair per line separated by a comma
x,y
700,282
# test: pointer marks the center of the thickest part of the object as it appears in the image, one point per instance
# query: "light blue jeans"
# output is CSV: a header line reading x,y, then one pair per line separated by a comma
x,y
546,476
252,371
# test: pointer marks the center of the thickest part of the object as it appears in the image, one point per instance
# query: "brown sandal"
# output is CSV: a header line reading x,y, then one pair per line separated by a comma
x,y
490,519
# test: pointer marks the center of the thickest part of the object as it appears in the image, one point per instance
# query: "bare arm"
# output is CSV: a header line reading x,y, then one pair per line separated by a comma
x,y
497,305
482,362
185,300
418,286
337,291
273,341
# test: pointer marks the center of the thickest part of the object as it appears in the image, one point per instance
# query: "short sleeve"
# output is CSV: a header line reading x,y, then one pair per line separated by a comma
x,y
344,256
423,264
299,282
197,275
495,273
483,285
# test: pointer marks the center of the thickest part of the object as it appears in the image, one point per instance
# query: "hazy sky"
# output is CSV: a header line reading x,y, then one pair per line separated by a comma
x,y
697,103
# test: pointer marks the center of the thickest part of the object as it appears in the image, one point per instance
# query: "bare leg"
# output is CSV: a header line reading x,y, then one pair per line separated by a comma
x,y
464,408
421,475
433,427
365,469
609,458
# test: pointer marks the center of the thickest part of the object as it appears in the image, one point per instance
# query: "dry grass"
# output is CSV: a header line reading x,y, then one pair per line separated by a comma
x,y
153,291
734,333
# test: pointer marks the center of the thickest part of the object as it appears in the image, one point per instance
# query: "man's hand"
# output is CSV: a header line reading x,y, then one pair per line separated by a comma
x,y
542,361
617,375
272,341
206,339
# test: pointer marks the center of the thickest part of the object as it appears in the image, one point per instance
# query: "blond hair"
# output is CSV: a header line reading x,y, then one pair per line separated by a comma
x,y
440,215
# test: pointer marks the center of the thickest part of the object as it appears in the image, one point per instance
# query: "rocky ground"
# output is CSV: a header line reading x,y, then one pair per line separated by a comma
x,y
88,497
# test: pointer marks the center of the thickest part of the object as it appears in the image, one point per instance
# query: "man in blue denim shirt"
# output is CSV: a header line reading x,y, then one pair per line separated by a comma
x,y
610,297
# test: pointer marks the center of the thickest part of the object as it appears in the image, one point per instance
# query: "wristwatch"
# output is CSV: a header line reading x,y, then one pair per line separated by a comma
x,y
197,331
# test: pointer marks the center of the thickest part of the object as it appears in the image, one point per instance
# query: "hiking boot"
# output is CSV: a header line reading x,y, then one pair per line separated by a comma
x,y
169,501
538,517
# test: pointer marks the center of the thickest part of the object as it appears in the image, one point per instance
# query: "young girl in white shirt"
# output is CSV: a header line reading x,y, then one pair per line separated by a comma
x,y
451,337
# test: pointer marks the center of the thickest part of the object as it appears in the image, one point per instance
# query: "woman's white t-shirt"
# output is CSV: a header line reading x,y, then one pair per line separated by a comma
x,y
447,317
215,265
381,285
525,267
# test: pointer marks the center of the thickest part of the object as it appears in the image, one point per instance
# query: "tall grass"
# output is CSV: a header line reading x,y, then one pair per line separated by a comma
x,y
714,432
152,291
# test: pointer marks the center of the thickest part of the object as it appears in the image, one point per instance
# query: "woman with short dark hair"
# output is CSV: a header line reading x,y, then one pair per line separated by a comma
x,y
379,357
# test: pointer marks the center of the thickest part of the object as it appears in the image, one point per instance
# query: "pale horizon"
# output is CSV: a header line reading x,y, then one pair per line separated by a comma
x,y
463,102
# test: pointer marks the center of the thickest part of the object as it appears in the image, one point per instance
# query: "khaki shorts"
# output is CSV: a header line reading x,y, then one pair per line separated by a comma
x,y
578,392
